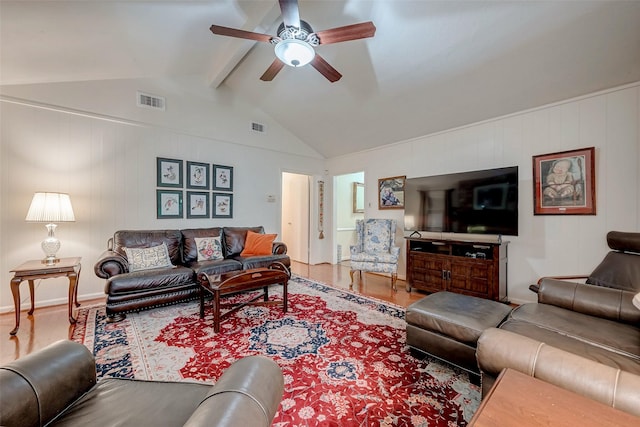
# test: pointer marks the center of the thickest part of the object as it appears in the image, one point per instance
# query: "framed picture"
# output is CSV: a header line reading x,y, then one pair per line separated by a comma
x,y
358,197
391,192
169,203
222,178
197,204
564,183
222,205
169,172
198,175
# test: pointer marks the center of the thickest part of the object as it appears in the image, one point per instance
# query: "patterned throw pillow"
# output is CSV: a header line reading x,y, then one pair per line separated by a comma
x,y
208,248
148,258
377,236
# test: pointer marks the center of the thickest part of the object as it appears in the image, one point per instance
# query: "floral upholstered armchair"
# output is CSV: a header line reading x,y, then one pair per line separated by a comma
x,y
375,248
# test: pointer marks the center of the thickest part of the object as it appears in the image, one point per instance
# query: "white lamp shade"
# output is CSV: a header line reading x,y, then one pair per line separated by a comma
x,y
294,52
50,207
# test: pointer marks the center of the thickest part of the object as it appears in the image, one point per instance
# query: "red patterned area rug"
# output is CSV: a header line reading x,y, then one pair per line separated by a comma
x,y
343,356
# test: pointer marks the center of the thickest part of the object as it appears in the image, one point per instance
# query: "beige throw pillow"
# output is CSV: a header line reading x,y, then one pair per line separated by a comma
x,y
148,258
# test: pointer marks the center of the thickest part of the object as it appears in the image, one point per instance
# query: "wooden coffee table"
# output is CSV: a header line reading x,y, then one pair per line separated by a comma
x,y
241,281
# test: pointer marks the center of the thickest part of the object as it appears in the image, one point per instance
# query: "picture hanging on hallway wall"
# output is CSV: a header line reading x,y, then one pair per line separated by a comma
x,y
222,205
222,178
169,172
564,183
169,204
198,175
197,204
391,192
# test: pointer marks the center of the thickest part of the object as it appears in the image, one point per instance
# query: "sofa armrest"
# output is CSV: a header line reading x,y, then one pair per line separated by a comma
x,y
110,264
607,303
279,248
498,349
50,380
247,394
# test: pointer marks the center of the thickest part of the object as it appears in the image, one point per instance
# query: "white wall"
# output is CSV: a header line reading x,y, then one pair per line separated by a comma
x,y
109,169
546,245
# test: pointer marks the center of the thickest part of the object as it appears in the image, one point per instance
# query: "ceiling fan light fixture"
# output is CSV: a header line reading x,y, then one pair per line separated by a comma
x,y
294,52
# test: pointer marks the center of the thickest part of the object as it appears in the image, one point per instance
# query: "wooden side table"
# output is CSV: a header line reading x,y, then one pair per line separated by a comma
x,y
519,400
35,269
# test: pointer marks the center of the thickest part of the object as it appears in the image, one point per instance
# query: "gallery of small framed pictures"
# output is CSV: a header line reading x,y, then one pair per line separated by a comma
x,y
209,189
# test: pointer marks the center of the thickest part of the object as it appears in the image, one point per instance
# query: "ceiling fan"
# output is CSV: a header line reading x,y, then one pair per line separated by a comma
x,y
295,41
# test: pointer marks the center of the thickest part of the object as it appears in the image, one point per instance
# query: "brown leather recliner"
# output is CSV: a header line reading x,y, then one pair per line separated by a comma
x,y
620,268
499,349
57,386
593,324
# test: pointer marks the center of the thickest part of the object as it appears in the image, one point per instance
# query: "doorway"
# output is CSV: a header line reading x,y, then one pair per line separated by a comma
x,y
349,205
295,224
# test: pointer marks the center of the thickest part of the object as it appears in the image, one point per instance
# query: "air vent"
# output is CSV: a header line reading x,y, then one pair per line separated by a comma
x,y
257,127
146,100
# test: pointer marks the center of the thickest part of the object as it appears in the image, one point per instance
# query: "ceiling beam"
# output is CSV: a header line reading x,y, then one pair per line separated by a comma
x,y
259,21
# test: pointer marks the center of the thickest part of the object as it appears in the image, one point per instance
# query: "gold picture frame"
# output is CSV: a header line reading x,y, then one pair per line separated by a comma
x,y
358,197
391,192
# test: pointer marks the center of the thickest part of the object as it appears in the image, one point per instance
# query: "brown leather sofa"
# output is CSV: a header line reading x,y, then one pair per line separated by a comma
x,y
134,291
57,386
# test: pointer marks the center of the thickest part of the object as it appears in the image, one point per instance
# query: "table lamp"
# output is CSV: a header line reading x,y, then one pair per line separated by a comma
x,y
50,208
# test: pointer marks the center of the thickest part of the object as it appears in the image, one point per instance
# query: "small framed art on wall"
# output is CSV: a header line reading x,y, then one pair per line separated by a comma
x,y
198,175
222,178
197,204
222,205
169,203
168,172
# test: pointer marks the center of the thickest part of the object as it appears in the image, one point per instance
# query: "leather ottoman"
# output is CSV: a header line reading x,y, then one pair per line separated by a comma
x,y
447,325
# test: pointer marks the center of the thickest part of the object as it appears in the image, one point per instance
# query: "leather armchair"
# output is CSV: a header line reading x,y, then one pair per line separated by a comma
x,y
58,386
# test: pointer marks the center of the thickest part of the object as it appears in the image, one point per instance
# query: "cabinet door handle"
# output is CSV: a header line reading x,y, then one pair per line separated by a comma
x,y
444,274
448,274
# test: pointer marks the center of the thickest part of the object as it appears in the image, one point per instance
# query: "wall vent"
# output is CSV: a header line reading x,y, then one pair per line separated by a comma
x,y
257,127
146,100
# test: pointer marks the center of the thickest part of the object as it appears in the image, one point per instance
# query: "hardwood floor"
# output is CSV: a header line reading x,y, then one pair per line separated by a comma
x,y
49,324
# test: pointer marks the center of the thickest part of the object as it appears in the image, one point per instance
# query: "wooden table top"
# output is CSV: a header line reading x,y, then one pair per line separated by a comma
x,y
518,400
243,279
37,266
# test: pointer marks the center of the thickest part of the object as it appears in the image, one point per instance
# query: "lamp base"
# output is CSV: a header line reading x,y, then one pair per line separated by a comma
x,y
50,246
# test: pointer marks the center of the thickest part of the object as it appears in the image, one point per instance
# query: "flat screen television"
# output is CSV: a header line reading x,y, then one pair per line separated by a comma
x,y
476,202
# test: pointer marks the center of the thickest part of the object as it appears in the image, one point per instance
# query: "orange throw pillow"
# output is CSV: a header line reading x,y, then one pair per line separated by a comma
x,y
258,244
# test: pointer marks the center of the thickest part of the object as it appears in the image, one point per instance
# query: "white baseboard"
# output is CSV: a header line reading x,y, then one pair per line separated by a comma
x,y
49,303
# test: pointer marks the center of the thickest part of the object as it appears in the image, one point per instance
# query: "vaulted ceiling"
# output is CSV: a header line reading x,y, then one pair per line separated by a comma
x,y
432,65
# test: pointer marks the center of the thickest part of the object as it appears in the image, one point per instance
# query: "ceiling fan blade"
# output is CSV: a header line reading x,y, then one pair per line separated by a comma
x,y
290,13
234,32
348,32
273,69
325,69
